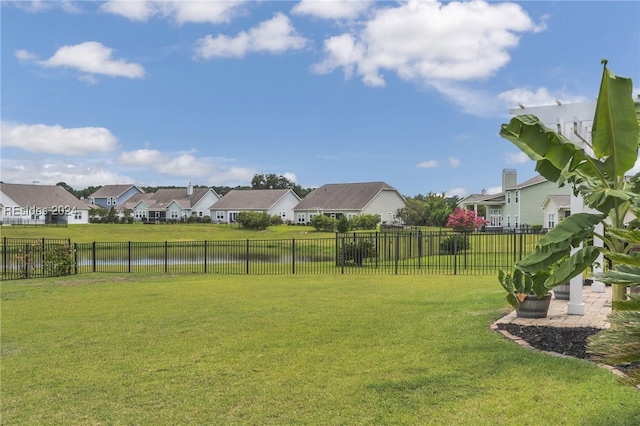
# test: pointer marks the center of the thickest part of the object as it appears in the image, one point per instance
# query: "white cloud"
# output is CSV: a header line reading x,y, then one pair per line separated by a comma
x,y
181,12
291,176
454,162
50,172
24,56
427,164
542,96
332,9
513,158
36,6
94,58
492,190
275,35
457,192
430,41
216,171
41,138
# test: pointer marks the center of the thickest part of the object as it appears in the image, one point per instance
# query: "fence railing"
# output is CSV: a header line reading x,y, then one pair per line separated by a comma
x,y
408,252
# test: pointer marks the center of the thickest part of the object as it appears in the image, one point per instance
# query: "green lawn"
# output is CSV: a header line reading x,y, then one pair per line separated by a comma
x,y
160,232
280,350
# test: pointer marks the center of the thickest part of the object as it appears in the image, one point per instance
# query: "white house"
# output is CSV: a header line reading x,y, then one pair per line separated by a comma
x,y
109,196
351,199
40,204
172,204
517,206
275,202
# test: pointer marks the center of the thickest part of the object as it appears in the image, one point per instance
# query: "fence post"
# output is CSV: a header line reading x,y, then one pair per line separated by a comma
x,y
42,257
293,256
26,260
397,252
342,257
166,257
129,256
75,257
455,254
93,256
247,258
419,249
4,255
521,246
205,256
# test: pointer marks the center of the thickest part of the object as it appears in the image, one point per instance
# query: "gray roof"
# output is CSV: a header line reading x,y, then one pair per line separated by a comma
x,y
162,198
561,201
42,196
343,196
251,199
533,181
113,191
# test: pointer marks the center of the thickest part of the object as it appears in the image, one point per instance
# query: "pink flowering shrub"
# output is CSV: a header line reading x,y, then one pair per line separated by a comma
x,y
465,220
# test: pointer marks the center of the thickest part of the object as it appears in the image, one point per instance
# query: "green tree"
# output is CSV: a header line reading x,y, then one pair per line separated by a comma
x,y
273,181
430,210
324,223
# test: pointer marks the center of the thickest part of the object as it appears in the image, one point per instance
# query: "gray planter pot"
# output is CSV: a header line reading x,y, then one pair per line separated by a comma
x,y
561,292
532,307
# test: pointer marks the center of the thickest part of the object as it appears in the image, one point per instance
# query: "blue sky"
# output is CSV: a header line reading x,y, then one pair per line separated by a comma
x,y
410,93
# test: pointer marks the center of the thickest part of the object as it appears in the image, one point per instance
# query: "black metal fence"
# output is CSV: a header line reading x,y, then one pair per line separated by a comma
x,y
31,258
409,252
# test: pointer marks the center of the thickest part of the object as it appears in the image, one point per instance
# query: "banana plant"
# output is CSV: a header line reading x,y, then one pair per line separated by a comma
x,y
599,178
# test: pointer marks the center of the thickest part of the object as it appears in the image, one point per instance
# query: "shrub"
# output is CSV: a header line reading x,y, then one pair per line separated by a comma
x,y
276,220
254,220
365,221
536,229
206,219
58,260
454,243
324,223
343,225
357,251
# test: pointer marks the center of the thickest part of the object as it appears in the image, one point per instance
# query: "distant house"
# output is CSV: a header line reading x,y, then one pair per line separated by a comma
x,y
351,199
110,196
275,202
40,204
172,204
555,208
518,206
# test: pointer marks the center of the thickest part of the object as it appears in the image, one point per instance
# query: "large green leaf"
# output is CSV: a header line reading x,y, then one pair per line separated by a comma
x,y
615,133
557,243
623,274
572,266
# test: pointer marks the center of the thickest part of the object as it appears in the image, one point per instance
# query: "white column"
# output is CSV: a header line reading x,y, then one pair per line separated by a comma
x,y
576,306
598,286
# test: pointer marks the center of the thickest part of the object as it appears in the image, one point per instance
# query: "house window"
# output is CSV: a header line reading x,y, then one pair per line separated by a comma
x,y
508,221
301,219
93,200
495,217
517,196
233,216
551,222
200,213
174,214
515,219
219,216
508,197
77,215
157,214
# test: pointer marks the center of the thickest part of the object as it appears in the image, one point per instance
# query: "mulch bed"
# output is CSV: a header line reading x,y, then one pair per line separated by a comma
x,y
569,341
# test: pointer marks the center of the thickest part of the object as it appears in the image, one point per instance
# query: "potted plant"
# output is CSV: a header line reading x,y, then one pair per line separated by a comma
x,y
529,297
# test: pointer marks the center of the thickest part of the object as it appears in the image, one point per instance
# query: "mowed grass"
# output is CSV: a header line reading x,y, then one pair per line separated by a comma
x,y
161,232
284,350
